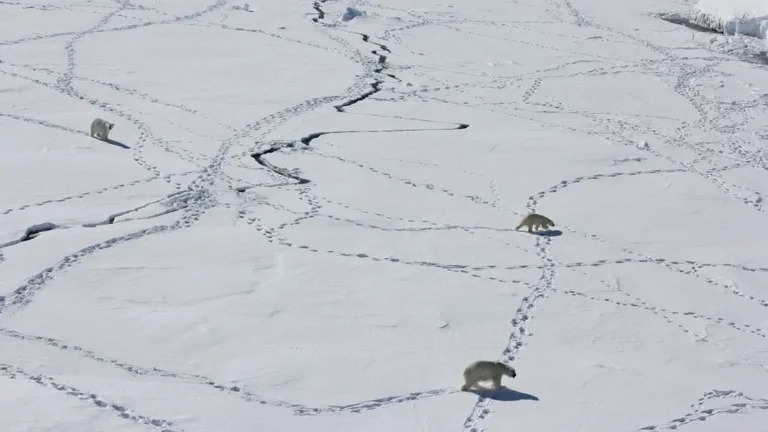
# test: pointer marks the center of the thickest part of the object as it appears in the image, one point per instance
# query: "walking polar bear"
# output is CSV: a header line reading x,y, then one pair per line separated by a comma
x,y
535,221
484,370
100,129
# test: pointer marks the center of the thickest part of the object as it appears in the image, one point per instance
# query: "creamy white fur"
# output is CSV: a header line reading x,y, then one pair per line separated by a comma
x,y
100,128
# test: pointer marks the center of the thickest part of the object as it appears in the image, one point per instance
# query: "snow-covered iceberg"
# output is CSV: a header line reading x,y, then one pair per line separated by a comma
x,y
744,17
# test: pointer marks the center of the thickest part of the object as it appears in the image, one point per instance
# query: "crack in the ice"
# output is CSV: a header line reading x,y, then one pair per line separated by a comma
x,y
375,88
317,6
712,118
22,296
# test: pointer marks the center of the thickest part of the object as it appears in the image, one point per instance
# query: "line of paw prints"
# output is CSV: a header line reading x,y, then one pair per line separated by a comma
x,y
262,126
532,89
646,259
709,175
482,408
533,200
420,93
462,268
374,404
375,88
22,296
516,339
13,372
43,123
471,230
731,287
428,186
352,53
64,87
480,411
698,414
540,290
669,55
703,150
144,371
278,207
430,225
598,263
401,161
270,122
175,19
274,35
662,313
715,175
721,395
528,43
686,267
236,391
684,88
305,196
689,167
494,190
273,236
64,82
180,152
665,313
390,35
145,133
86,194
409,397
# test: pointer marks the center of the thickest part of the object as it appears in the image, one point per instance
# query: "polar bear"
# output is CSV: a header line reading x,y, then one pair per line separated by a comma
x,y
534,221
100,129
484,370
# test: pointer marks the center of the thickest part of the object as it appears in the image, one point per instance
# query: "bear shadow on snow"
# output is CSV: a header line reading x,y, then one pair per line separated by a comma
x,y
503,394
116,143
548,233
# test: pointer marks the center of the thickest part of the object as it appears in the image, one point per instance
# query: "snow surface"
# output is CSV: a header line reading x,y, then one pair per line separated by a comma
x,y
307,224
352,13
747,17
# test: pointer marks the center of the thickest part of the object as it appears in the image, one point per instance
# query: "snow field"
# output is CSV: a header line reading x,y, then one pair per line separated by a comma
x,y
228,264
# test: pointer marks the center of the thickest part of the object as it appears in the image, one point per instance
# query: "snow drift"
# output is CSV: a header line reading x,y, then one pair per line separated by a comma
x,y
745,17
352,13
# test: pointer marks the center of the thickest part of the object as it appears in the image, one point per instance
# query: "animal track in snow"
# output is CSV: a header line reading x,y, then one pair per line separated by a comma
x,y
232,390
17,373
194,198
698,413
341,108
